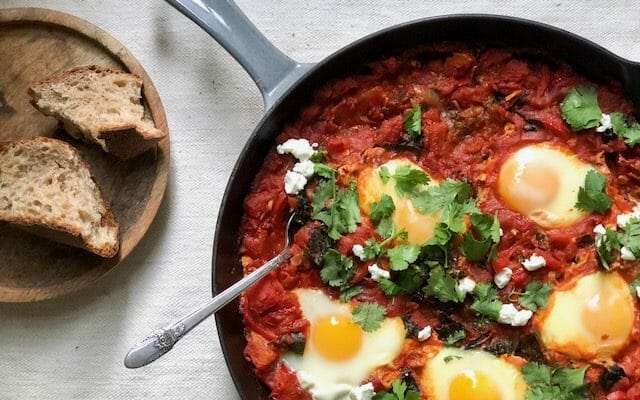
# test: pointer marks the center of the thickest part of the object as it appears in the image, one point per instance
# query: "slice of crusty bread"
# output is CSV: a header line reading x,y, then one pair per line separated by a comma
x,y
47,188
99,105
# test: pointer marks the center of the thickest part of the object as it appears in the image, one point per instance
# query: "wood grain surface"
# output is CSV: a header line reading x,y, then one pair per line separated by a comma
x,y
35,44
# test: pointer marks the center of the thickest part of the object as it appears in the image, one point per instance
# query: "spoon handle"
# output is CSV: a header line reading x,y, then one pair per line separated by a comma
x,y
161,341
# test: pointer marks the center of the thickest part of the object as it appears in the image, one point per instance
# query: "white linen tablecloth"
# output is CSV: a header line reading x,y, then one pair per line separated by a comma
x,y
73,347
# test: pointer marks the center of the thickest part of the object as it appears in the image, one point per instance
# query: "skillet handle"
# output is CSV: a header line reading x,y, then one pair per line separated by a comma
x,y
270,69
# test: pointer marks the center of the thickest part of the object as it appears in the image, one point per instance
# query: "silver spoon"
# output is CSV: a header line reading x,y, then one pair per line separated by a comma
x,y
161,341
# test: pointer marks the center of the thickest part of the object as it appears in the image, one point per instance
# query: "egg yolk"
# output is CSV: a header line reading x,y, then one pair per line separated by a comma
x,y
528,185
419,227
606,315
473,385
336,338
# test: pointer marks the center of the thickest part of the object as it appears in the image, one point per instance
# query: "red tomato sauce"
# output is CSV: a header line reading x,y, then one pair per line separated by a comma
x,y
479,106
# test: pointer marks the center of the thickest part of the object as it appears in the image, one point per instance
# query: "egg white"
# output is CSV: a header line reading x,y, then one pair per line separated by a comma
x,y
419,227
333,380
441,370
567,171
562,326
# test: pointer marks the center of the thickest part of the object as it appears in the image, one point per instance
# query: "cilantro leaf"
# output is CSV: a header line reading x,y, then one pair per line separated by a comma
x,y
409,179
348,208
384,174
437,247
454,214
487,229
450,358
369,316
321,195
398,388
390,288
580,108
441,236
630,236
318,156
336,207
348,293
402,255
371,249
455,337
407,282
442,286
536,374
593,196
337,269
412,120
486,301
550,384
386,228
474,250
385,396
569,379
536,295
606,245
382,208
630,133
399,391
324,170
436,198
618,123
486,226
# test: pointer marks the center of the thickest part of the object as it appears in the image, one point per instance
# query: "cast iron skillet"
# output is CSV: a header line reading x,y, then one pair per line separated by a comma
x,y
286,86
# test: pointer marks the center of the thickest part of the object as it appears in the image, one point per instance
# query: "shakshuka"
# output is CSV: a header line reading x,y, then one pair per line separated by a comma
x,y
467,227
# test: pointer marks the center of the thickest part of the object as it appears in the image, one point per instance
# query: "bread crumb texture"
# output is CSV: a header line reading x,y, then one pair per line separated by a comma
x,y
45,183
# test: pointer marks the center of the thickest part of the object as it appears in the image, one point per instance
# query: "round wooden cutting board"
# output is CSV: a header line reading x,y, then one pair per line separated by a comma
x,y
35,44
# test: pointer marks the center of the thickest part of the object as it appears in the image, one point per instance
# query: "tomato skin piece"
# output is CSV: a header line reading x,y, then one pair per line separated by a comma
x,y
259,351
285,386
270,310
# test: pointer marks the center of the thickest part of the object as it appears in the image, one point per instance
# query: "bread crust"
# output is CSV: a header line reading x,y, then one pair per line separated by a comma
x,y
61,231
122,140
128,142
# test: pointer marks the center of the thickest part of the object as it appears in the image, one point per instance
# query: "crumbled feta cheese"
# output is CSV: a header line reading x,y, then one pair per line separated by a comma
x,y
623,219
466,285
424,333
605,123
294,182
362,392
522,318
299,148
507,314
296,179
600,229
378,273
502,277
638,291
304,168
358,251
626,254
510,315
534,263
501,232
314,145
